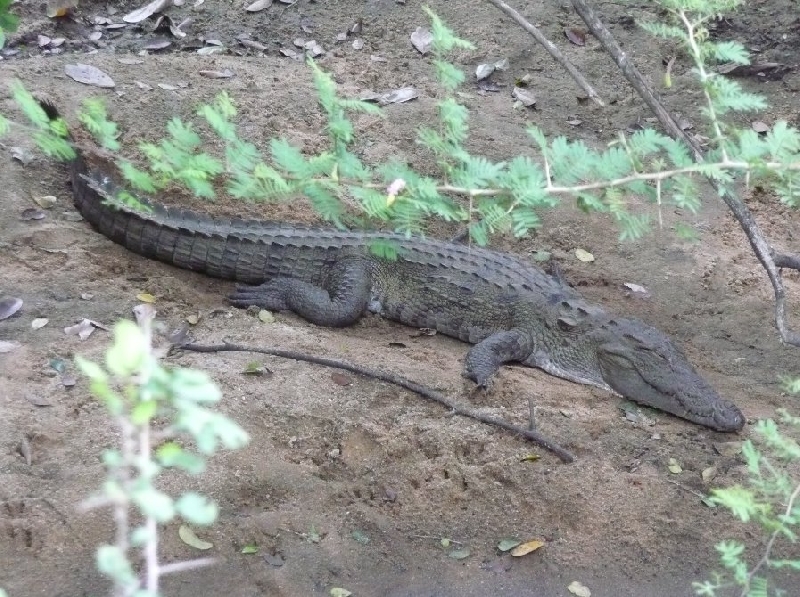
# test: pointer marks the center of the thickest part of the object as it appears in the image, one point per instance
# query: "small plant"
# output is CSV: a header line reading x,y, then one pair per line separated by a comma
x,y
8,22
153,409
771,499
489,196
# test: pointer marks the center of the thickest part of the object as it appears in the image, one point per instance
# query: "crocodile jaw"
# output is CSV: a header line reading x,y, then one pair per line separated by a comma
x,y
643,364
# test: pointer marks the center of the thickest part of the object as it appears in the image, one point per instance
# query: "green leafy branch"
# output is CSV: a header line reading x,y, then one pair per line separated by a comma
x,y
8,21
138,394
490,196
771,499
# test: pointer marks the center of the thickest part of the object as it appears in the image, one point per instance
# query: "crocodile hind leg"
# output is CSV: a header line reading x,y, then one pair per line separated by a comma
x,y
339,303
484,359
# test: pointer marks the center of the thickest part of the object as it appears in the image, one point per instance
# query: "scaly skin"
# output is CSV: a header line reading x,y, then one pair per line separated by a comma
x,y
507,308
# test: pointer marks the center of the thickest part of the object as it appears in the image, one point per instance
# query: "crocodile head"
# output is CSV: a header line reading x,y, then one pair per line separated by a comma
x,y
643,365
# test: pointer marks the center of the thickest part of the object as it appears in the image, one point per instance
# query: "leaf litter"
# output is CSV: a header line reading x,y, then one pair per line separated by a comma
x,y
88,75
9,306
147,11
524,549
189,537
84,328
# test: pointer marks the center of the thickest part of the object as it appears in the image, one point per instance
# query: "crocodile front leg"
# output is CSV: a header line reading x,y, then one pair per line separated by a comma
x,y
338,304
485,358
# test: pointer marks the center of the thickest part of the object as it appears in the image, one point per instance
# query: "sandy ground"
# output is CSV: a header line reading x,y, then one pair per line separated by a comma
x,y
369,457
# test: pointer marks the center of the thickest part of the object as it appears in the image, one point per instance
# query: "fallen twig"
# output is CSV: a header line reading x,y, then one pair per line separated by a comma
x,y
787,261
551,48
702,496
737,207
428,393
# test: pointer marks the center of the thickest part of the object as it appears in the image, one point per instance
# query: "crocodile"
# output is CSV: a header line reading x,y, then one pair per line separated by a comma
x,y
510,310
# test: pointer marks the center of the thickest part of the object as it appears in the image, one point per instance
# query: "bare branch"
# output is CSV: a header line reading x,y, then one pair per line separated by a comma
x,y
737,207
551,48
433,395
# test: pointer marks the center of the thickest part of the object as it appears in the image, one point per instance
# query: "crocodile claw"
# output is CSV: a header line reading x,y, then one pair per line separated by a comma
x,y
265,295
482,382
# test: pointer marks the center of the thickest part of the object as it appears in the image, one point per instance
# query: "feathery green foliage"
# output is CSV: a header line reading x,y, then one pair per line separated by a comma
x,y
771,499
8,21
148,395
95,118
635,170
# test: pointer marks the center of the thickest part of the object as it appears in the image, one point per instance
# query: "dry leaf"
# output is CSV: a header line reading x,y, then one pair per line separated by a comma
x,y
460,554
524,96
507,544
45,201
189,538
729,449
157,44
422,40
88,75
583,255
483,71
256,368
398,96
708,473
140,14
526,548
313,49
637,289
32,214
578,589
83,329
209,50
60,8
674,467
259,5
24,449
6,346
9,306
576,36
251,43
39,322
217,74
22,154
